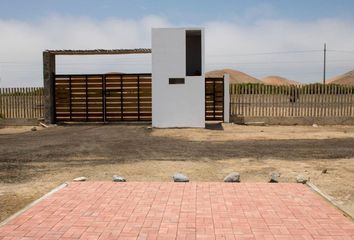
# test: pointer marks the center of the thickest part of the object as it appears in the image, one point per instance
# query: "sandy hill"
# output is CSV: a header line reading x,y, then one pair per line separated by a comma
x,y
115,73
235,76
276,80
343,79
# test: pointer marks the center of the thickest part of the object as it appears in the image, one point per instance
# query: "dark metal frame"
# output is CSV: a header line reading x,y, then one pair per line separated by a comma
x,y
86,91
70,96
213,95
138,87
121,97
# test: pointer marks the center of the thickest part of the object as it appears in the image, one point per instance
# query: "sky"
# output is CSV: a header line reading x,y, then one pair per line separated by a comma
x,y
260,38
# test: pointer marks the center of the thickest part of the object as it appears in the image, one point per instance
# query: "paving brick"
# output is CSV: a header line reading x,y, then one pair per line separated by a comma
x,y
186,211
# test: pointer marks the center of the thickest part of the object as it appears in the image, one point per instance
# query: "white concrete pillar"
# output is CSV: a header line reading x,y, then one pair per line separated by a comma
x,y
226,98
178,97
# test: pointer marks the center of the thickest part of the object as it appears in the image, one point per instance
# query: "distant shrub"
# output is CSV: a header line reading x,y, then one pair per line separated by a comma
x,y
316,88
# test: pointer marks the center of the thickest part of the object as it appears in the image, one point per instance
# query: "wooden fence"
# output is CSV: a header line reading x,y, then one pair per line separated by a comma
x,y
246,100
21,103
314,100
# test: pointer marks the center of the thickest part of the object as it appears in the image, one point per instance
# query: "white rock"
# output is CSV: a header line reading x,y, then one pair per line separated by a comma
x,y
117,178
301,179
179,177
274,177
80,179
232,177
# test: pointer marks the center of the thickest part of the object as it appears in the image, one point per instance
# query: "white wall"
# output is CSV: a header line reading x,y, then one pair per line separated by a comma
x,y
226,98
175,105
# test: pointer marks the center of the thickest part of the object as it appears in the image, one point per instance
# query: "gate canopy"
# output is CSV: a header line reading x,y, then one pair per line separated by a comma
x,y
100,51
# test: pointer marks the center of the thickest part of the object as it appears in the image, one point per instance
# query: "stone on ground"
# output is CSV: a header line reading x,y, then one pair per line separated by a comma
x,y
80,179
232,177
179,177
117,178
33,129
274,177
301,179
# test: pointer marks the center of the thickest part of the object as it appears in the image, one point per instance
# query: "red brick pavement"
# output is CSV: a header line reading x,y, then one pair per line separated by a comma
x,y
107,210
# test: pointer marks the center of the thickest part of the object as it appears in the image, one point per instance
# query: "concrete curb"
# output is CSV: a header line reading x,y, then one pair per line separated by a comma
x,y
329,199
33,203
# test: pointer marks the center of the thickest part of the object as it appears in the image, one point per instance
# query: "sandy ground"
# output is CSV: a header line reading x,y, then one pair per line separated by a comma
x,y
18,129
32,163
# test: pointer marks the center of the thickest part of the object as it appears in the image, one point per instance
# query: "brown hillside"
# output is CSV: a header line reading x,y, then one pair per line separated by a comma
x,y
343,79
115,73
276,80
235,76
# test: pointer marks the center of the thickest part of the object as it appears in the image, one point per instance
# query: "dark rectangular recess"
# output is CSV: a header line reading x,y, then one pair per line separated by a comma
x,y
193,52
176,80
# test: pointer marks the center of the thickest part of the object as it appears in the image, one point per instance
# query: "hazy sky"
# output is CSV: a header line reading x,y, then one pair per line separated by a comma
x,y
260,38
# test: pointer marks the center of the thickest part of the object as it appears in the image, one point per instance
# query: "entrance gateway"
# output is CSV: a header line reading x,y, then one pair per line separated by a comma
x,y
119,97
176,94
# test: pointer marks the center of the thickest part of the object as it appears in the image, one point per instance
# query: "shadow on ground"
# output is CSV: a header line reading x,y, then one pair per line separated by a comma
x,y
91,145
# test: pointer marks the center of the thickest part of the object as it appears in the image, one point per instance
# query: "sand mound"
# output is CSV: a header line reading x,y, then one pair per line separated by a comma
x,y
343,79
115,73
235,76
276,80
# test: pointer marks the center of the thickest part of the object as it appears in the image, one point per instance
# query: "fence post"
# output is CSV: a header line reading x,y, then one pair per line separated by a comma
x,y
226,98
351,102
1,104
1,114
49,86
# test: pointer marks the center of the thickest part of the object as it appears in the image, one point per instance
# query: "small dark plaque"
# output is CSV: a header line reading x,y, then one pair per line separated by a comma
x,y
176,80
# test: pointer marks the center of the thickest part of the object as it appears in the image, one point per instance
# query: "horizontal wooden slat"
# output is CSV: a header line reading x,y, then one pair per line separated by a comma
x,y
142,105
214,99
72,92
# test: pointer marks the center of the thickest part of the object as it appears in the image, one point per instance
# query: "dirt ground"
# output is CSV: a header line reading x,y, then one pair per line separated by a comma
x,y
32,163
18,129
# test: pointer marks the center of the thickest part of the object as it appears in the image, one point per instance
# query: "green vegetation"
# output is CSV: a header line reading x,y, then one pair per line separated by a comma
x,y
316,88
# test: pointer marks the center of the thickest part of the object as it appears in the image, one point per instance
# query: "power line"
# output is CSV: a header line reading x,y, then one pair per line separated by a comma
x,y
340,51
266,53
149,62
139,61
212,55
281,62
324,63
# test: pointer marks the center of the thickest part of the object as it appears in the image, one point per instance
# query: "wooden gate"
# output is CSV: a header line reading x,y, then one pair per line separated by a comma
x,y
103,97
214,99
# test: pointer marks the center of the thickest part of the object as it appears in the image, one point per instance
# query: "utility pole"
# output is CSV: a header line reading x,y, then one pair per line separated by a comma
x,y
0,75
324,63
